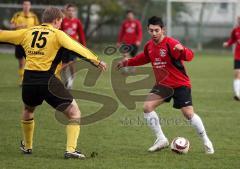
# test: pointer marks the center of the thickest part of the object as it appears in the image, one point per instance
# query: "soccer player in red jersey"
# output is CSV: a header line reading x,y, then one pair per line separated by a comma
x,y
130,36
73,27
167,55
235,39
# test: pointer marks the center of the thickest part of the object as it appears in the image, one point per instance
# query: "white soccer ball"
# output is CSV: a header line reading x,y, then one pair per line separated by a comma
x,y
180,145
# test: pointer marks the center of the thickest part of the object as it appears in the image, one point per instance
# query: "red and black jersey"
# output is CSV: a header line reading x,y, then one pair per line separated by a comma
x,y
235,38
130,32
73,27
167,63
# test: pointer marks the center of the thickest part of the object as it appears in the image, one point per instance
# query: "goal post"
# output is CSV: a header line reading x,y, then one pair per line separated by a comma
x,y
199,23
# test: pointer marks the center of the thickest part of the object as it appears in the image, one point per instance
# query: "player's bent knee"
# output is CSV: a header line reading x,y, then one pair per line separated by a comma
x,y
147,107
187,112
73,111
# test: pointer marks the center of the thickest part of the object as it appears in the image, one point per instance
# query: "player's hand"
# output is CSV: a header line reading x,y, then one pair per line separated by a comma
x,y
178,47
225,44
138,43
102,65
120,64
118,45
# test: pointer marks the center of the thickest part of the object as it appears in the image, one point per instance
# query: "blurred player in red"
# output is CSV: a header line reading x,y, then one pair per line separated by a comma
x,y
73,27
167,55
130,35
235,39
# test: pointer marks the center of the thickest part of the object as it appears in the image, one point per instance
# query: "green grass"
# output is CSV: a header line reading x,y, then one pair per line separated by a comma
x,y
122,145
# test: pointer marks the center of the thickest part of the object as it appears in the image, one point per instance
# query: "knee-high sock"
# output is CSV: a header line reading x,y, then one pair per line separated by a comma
x,y
73,131
153,122
28,130
236,87
20,73
197,123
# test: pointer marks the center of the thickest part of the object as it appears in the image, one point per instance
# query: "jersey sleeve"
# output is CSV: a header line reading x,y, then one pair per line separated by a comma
x,y
121,33
14,18
232,38
81,34
139,31
12,37
72,45
186,54
36,21
140,59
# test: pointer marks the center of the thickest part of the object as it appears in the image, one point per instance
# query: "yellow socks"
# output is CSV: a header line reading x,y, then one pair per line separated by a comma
x,y
73,131
20,73
28,129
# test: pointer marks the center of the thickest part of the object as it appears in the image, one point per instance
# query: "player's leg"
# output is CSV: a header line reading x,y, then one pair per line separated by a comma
x,y
31,97
27,124
73,131
197,123
19,53
236,82
183,100
60,98
152,119
72,69
132,53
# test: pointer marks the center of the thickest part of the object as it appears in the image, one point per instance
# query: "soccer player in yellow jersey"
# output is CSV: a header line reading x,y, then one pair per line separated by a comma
x,y
20,20
43,46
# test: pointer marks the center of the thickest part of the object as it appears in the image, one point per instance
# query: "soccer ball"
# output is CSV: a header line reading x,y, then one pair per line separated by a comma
x,y
180,145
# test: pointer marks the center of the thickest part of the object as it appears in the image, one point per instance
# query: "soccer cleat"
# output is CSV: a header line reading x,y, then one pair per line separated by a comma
x,y
159,144
75,154
24,150
209,147
236,98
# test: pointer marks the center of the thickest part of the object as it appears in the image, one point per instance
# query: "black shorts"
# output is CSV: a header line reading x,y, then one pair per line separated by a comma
x,y
38,87
181,96
19,52
132,49
68,56
236,64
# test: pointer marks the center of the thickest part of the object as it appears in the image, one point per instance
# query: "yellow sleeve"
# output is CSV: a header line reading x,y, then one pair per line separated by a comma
x,y
36,21
72,45
14,18
13,37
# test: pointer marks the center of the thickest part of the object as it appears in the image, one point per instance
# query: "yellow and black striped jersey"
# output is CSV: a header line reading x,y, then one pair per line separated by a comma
x,y
20,18
43,46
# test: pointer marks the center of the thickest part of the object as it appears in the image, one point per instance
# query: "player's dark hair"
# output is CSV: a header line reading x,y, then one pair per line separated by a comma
x,y
129,11
70,6
26,1
155,20
50,14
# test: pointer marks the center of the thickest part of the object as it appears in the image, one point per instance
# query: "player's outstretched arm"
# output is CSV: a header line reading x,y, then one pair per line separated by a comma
x,y
83,52
140,59
185,53
12,37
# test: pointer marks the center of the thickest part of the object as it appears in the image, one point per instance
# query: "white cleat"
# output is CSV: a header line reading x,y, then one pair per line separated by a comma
x,y
209,148
159,144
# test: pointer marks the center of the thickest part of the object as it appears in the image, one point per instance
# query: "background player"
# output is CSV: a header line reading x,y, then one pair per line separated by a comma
x,y
43,48
20,20
235,39
130,35
73,27
167,55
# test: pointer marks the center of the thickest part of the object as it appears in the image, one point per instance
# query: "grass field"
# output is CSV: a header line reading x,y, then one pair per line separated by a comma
x,y
121,143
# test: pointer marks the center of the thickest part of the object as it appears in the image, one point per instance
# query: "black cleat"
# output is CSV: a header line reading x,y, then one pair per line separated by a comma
x,y
75,154
236,98
24,150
